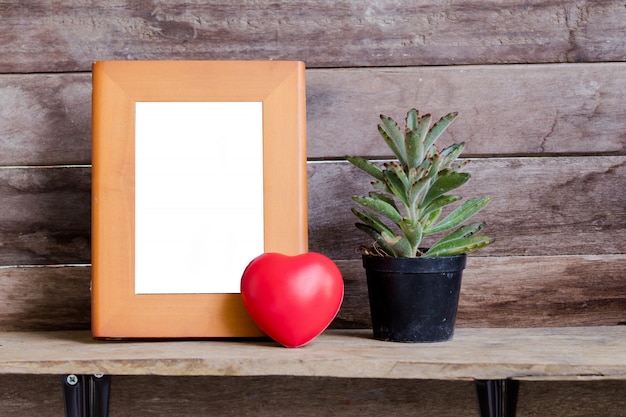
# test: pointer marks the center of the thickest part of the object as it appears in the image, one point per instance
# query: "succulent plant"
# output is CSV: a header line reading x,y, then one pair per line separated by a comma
x,y
412,192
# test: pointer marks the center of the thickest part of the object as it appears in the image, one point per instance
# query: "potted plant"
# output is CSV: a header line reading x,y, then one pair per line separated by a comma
x,y
414,291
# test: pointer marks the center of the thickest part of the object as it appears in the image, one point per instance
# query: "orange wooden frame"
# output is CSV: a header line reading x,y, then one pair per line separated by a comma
x,y
117,312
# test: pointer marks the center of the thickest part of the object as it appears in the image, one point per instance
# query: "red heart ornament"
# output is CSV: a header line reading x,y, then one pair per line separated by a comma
x,y
292,298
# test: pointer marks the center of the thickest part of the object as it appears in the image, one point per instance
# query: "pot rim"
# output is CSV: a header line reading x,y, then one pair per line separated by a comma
x,y
435,264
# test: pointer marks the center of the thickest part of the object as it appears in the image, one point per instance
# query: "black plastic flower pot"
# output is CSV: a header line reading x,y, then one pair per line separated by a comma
x,y
414,299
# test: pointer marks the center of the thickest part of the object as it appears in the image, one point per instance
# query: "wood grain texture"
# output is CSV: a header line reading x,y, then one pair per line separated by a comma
x,y
45,216
30,395
503,110
545,291
562,353
525,291
70,35
540,206
27,396
45,119
497,292
45,298
558,109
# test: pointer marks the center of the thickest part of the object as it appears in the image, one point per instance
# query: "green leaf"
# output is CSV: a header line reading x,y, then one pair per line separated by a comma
x,y
412,231
451,153
461,232
382,186
412,118
444,183
399,171
416,190
377,238
439,203
438,128
399,245
458,167
369,230
392,134
366,166
434,166
422,128
414,149
385,198
371,220
425,166
396,185
458,246
380,207
458,216
431,218
414,175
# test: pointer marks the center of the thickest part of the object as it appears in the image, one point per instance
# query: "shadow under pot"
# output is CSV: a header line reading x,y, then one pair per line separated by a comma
x,y
414,299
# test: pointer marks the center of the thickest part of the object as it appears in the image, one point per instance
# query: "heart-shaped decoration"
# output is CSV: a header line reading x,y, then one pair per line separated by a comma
x,y
292,298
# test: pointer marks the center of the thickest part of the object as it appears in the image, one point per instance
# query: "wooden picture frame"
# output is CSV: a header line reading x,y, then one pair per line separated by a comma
x,y
119,175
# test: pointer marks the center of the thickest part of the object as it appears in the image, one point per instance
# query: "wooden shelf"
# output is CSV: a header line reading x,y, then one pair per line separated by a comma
x,y
572,353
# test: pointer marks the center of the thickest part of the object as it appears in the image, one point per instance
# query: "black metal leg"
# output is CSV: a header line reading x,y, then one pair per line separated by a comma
x,y
75,400
86,395
497,397
99,399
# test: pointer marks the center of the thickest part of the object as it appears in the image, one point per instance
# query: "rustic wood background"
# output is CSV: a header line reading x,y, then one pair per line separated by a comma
x,y
540,88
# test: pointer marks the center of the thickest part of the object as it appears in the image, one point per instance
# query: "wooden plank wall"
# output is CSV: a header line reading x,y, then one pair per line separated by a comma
x,y
539,85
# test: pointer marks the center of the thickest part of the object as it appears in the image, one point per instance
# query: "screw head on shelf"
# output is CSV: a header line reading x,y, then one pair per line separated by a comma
x,y
71,379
